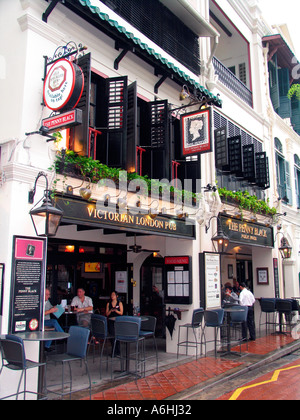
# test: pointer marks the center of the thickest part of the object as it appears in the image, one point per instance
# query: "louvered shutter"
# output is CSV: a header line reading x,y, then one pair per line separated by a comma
x,y
289,191
116,139
249,162
79,135
262,170
274,88
235,155
131,127
159,139
285,109
221,149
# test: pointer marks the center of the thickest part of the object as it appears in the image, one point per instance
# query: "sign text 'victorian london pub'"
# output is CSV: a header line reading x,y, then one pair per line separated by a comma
x,y
80,212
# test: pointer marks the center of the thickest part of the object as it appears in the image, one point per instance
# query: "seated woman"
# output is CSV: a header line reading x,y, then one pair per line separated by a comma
x,y
114,308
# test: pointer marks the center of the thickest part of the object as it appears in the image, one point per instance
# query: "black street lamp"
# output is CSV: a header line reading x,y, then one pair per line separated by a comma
x,y
285,249
220,240
45,218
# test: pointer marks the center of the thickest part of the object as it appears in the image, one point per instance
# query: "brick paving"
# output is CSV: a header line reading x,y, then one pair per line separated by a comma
x,y
170,382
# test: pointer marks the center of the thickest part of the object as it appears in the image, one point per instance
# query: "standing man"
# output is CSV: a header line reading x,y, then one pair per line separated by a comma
x,y
84,308
247,299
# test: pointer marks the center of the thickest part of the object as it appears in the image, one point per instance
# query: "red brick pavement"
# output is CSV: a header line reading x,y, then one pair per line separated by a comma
x,y
180,378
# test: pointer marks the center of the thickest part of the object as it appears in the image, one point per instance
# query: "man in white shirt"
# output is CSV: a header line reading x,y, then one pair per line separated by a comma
x,y
247,299
84,308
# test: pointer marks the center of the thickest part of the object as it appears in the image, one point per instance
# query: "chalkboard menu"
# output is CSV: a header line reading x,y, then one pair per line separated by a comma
x,y
28,280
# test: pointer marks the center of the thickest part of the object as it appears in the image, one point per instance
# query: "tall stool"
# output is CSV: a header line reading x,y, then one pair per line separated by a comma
x,y
214,319
195,325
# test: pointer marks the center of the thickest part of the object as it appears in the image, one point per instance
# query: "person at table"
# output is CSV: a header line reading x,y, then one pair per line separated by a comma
x,y
83,308
248,299
48,322
114,308
230,298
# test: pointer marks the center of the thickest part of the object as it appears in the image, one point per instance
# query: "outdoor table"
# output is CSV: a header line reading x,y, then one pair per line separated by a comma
x,y
228,312
42,336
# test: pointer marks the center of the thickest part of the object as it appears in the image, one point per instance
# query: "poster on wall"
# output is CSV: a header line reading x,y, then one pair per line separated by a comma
x,y
210,280
196,132
28,283
121,281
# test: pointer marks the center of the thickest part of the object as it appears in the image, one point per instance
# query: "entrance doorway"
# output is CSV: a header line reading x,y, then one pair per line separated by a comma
x,y
244,273
152,291
74,264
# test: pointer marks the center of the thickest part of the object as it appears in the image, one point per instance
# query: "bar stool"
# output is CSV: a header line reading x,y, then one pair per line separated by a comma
x,y
195,325
99,332
268,307
127,331
213,319
13,358
148,328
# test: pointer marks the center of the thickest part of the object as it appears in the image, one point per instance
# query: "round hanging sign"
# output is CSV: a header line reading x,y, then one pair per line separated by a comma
x,y
63,85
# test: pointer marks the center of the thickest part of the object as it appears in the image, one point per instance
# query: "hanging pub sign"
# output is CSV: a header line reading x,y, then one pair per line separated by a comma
x,y
63,85
196,132
64,120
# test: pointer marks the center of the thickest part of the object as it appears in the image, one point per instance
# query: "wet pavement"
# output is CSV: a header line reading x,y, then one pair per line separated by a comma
x,y
207,378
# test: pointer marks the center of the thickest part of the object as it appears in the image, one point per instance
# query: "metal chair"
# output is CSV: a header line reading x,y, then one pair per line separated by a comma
x,y
239,318
196,324
76,350
13,358
99,332
268,307
127,332
213,319
148,328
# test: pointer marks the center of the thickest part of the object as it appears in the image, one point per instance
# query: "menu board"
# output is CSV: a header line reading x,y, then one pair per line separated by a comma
x,y
210,280
178,288
28,280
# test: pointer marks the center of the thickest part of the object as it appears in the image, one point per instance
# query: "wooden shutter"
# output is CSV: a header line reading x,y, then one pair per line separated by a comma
x,y
235,155
274,88
116,139
285,109
262,170
221,149
289,191
159,139
249,162
131,127
79,135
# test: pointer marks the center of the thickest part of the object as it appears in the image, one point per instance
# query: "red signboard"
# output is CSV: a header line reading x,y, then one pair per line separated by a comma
x,y
176,260
65,120
196,132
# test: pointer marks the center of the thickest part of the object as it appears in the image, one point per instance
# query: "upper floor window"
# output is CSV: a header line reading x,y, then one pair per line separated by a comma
x,y
283,174
161,26
297,179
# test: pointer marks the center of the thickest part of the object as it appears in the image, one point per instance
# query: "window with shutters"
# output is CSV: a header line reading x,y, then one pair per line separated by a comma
x,y
160,25
282,174
297,179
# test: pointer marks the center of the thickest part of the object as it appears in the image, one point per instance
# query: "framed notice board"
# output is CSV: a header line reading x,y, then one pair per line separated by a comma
x,y
28,283
210,280
178,280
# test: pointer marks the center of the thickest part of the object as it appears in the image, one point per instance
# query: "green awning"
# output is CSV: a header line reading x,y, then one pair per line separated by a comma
x,y
137,41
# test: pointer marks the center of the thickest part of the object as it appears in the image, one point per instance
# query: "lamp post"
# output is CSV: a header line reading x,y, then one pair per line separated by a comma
x,y
45,218
286,252
220,240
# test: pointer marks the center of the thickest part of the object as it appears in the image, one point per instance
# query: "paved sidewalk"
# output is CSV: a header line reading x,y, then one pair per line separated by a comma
x,y
181,381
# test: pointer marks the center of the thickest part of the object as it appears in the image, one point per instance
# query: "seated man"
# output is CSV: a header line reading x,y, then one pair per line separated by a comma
x,y
84,308
48,322
230,298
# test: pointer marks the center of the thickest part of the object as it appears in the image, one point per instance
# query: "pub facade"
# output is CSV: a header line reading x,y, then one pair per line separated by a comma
x,y
143,130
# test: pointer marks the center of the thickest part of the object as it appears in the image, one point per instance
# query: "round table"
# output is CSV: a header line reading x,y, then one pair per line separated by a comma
x,y
229,311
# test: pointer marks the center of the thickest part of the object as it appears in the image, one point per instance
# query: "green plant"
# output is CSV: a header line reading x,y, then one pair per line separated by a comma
x,y
294,91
